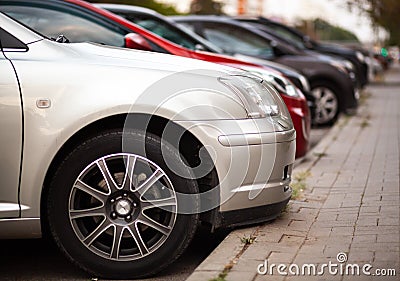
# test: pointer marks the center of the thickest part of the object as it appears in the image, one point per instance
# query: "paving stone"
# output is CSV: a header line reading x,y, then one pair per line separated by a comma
x,y
359,257
269,236
375,229
269,278
391,257
388,238
369,209
389,221
316,231
279,257
240,275
342,231
247,265
199,275
369,238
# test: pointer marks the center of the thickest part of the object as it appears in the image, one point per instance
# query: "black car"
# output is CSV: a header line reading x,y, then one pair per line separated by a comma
x,y
303,41
330,81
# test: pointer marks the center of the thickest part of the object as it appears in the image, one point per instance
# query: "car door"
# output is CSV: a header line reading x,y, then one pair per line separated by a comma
x,y
11,120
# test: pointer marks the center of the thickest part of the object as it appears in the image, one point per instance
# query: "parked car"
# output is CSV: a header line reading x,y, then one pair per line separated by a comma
x,y
357,58
92,154
170,30
80,21
330,82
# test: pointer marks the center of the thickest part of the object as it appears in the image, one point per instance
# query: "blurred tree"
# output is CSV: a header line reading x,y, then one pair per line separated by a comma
x,y
206,7
384,13
326,31
322,30
162,8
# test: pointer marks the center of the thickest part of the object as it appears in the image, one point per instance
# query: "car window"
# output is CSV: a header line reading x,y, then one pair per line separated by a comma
x,y
234,39
162,29
282,32
52,22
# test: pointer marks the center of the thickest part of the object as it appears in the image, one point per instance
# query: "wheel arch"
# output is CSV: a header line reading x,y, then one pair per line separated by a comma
x,y
155,126
331,82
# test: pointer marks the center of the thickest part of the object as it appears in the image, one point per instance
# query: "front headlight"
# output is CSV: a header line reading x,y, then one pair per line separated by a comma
x,y
280,83
259,98
360,56
339,66
348,65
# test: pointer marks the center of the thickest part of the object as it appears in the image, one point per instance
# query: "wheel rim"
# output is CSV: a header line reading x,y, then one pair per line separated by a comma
x,y
326,105
122,207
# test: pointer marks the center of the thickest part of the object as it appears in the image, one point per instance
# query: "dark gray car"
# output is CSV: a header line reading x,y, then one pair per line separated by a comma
x,y
306,43
174,32
330,82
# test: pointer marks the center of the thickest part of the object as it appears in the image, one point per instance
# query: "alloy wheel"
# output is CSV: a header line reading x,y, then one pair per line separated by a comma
x,y
122,207
327,105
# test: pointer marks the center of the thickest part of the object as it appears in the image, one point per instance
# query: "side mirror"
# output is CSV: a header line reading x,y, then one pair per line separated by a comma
x,y
136,41
278,51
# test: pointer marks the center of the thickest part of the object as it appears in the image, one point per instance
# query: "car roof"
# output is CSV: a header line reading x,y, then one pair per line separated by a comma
x,y
148,12
127,8
231,21
222,19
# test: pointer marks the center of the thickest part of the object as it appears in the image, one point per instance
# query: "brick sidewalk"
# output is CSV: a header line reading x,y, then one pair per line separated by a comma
x,y
351,203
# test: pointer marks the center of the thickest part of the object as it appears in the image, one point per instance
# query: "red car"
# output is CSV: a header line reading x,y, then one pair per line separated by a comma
x,y
113,27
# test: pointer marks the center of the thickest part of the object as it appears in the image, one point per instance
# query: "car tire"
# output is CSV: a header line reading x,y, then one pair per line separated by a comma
x,y
327,103
131,232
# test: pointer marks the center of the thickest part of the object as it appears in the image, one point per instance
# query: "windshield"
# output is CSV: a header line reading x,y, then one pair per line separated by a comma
x,y
235,40
168,31
283,33
76,28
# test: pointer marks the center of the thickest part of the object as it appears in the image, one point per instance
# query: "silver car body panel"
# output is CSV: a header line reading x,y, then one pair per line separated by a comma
x,y
10,139
111,81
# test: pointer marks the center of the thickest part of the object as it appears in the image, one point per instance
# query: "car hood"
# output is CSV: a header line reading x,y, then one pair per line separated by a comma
x,y
335,49
322,57
92,53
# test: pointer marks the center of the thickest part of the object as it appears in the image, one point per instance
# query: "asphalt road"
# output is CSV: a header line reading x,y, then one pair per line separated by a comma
x,y
38,259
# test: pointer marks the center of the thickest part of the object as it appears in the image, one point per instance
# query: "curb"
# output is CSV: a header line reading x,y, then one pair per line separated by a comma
x,y
226,254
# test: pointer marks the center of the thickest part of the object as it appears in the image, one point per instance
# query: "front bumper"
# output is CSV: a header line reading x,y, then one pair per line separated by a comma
x,y
250,215
301,117
253,164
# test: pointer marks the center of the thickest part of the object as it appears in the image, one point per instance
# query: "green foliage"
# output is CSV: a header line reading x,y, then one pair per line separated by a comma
x,y
164,9
247,240
384,13
221,277
299,184
327,32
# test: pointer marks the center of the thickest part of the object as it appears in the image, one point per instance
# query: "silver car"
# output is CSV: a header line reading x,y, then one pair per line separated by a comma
x,y
119,154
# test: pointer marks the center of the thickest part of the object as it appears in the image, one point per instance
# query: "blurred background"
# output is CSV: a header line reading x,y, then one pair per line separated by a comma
x,y
372,24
